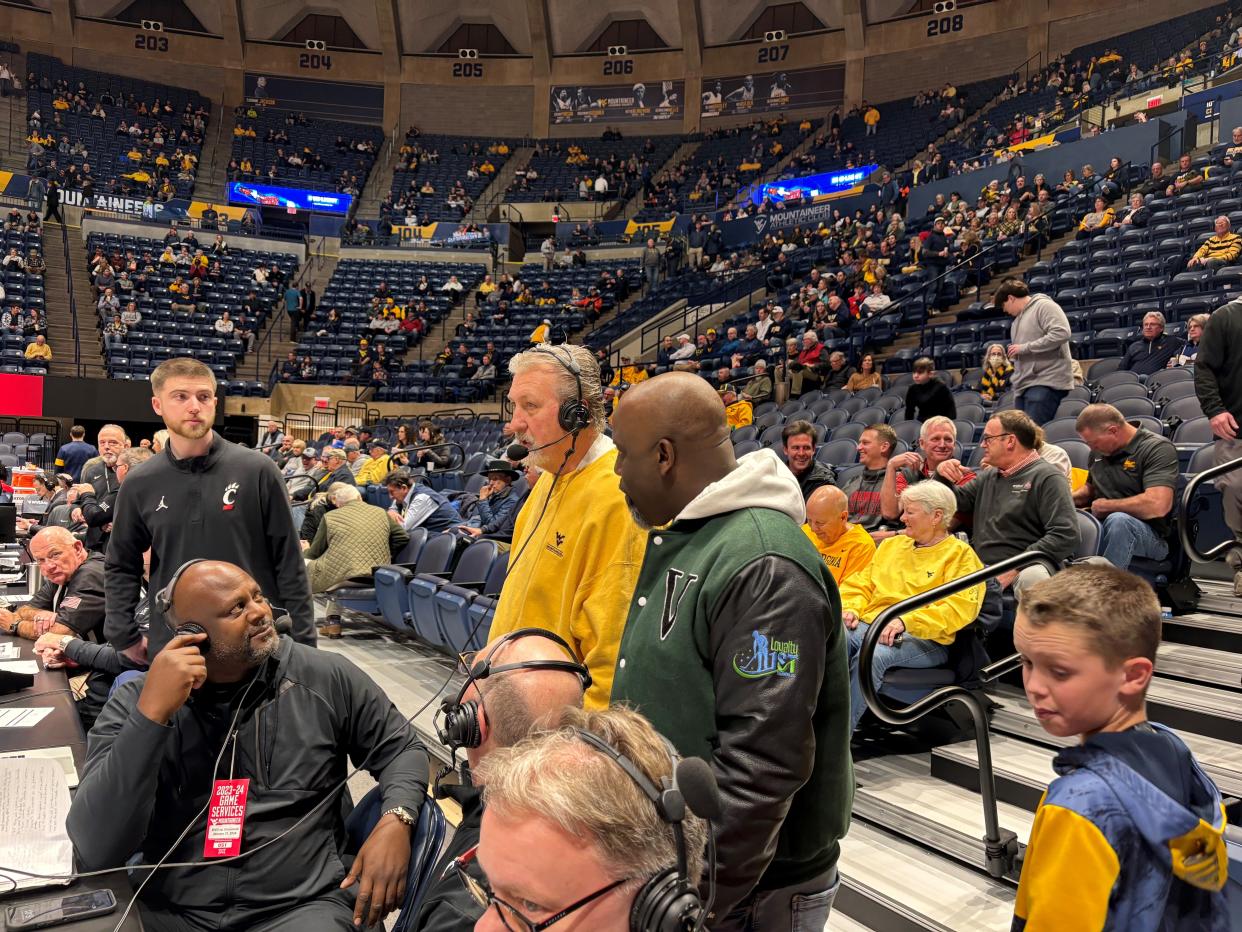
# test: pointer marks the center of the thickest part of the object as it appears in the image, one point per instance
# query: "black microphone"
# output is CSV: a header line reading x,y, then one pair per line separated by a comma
x,y
542,446
516,452
698,788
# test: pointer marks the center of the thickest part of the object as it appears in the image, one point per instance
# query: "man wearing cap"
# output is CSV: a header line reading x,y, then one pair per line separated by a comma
x,y
373,470
759,388
499,503
337,469
353,455
685,348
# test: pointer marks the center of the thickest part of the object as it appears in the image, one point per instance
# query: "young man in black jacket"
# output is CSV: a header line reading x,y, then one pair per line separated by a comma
x,y
928,396
202,497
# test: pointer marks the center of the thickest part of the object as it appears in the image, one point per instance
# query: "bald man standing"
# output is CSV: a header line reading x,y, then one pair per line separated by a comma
x,y
523,680
845,547
735,650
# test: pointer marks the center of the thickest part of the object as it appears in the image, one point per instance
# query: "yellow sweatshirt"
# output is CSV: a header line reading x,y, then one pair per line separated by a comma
x,y
373,472
848,554
577,576
899,570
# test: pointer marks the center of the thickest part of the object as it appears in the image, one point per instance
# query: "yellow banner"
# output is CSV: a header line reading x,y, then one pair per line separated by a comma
x,y
5,178
196,209
1039,141
423,232
657,226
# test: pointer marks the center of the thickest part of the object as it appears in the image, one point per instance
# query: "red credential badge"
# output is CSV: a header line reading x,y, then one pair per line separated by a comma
x,y
226,817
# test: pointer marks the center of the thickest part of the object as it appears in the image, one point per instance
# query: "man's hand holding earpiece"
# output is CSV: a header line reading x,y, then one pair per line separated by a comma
x,y
175,672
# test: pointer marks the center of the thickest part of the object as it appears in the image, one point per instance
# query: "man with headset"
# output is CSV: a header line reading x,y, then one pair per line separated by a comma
x,y
229,700
735,650
576,552
519,681
594,823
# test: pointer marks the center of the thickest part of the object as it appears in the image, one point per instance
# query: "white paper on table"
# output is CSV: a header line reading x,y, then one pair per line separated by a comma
x,y
63,756
33,809
23,718
18,666
9,651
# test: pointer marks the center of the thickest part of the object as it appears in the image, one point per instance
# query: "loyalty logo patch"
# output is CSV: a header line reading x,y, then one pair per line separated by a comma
x,y
767,658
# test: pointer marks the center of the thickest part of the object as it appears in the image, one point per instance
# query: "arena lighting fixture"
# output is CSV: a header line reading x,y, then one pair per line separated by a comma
x,y
775,35
618,50
945,6
317,45
467,53
152,25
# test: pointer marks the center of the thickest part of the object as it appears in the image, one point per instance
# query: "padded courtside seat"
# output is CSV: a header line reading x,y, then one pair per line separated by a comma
x,y
453,601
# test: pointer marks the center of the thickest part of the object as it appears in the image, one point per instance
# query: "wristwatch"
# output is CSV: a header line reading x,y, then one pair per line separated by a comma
x,y
64,642
401,813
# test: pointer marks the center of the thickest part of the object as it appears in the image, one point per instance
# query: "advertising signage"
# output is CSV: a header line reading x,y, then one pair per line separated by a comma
x,y
265,195
618,103
822,88
809,187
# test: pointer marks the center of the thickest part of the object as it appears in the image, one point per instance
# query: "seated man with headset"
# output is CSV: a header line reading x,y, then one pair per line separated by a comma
x,y
511,687
594,823
231,708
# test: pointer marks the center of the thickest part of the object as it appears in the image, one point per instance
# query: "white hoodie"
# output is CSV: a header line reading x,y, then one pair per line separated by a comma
x,y
761,480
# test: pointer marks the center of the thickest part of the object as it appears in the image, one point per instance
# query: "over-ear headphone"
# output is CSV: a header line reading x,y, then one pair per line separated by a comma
x,y
668,902
573,415
164,602
460,727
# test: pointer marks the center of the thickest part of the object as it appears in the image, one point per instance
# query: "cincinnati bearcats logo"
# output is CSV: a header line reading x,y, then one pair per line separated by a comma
x,y
230,494
675,580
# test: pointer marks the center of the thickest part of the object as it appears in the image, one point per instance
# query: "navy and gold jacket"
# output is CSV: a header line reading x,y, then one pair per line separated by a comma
x,y
1129,837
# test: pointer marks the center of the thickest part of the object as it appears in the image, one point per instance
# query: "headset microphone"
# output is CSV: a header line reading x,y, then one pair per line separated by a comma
x,y
516,452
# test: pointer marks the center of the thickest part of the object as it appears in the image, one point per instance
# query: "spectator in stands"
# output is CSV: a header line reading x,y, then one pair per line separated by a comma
x,y
540,334
1096,221
838,372
1023,503
181,300
928,396
1188,178
926,555
1190,349
1154,351
585,507
1218,385
997,373
336,468
733,526
937,443
352,538
649,262
108,303
435,453
685,348
307,370
1138,214
1156,184
114,334
871,119
497,508
223,324
35,324
866,376
846,548
1220,249
1039,348
1129,487
759,388
875,447
39,349
798,439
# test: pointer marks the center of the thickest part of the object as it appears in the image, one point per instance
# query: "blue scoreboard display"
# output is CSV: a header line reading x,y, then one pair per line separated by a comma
x,y
812,186
266,195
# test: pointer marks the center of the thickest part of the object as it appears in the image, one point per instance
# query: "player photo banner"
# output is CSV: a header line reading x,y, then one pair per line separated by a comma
x,y
821,87
618,103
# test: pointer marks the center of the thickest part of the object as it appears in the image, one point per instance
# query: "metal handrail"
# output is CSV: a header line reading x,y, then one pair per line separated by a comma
x,y
1183,514
1175,131
1001,844
461,452
73,304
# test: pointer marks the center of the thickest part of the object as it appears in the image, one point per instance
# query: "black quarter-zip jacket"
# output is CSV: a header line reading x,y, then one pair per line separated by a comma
x,y
229,504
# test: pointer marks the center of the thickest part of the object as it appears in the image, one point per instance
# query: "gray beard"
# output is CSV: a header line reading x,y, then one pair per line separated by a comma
x,y
639,519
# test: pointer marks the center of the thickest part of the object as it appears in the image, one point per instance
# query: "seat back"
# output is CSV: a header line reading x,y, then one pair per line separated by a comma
x,y
436,554
409,553
476,563
1088,535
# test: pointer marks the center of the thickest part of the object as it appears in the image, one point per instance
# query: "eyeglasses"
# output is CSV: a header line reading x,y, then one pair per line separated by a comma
x,y
986,440
509,916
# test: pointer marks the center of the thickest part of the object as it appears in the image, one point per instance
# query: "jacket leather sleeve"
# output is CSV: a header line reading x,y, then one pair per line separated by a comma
x,y
115,800
766,739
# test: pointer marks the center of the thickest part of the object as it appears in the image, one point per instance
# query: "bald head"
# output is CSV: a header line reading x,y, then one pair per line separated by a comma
x,y
514,702
827,513
677,405
53,535
231,607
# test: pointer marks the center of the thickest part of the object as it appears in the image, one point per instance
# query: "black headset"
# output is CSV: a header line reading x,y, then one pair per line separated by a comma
x,y
574,415
460,726
164,602
668,902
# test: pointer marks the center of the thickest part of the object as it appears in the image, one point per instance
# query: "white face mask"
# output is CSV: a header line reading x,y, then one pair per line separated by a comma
x,y
996,359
